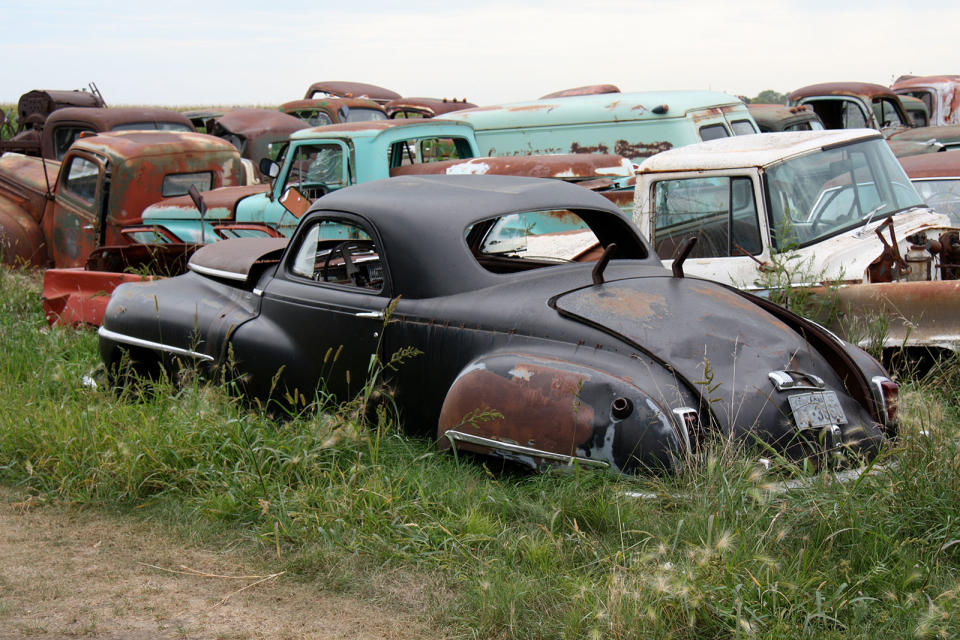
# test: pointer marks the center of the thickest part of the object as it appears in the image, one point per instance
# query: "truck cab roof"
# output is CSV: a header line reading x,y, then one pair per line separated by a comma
x,y
750,151
583,109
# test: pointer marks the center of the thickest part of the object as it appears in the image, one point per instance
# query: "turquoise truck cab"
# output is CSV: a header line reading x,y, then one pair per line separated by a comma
x,y
632,125
315,161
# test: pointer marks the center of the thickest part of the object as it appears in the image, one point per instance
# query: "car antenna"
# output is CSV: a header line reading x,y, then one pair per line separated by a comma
x,y
602,263
681,255
202,207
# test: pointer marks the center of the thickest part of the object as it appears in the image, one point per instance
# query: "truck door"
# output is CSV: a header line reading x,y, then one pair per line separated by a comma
x,y
722,213
73,229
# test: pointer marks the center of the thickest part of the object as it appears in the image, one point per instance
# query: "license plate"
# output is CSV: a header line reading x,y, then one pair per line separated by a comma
x,y
816,409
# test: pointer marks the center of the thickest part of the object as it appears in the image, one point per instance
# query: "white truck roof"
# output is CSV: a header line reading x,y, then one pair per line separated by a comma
x,y
749,151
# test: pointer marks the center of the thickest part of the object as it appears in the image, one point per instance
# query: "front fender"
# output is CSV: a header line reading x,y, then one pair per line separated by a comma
x,y
21,239
536,410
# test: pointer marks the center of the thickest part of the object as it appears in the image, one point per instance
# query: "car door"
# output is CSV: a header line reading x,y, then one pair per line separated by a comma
x,y
321,316
74,229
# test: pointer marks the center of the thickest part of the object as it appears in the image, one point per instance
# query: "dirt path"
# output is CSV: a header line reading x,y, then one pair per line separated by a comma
x,y
65,572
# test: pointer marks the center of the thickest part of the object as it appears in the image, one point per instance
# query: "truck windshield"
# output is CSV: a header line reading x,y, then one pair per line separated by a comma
x,y
826,192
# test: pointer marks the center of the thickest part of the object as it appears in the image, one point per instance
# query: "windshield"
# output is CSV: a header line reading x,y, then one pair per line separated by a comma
x,y
826,192
358,114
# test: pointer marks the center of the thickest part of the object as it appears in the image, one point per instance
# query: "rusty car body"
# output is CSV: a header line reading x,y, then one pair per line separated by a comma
x,y
632,125
425,107
828,206
586,90
937,179
588,363
64,126
346,89
916,110
35,106
611,176
56,214
779,117
319,112
852,105
941,95
253,131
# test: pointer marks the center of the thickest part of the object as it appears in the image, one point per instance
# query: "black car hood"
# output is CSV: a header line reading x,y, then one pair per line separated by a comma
x,y
717,341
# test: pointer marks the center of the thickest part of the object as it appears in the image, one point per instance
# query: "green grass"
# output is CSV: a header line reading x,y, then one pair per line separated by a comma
x,y
494,554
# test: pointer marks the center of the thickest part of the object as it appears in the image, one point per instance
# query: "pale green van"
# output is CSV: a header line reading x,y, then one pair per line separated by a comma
x,y
632,125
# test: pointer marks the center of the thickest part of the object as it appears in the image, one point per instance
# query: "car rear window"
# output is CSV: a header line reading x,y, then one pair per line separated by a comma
x,y
178,184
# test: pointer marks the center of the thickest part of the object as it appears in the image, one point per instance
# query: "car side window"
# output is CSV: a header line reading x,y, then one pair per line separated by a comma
x,y
82,177
714,131
743,128
720,211
339,252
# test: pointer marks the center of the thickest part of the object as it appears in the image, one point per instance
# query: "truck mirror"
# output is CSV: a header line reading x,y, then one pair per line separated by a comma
x,y
269,168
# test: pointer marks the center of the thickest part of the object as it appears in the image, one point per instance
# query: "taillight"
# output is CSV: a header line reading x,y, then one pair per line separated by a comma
x,y
887,394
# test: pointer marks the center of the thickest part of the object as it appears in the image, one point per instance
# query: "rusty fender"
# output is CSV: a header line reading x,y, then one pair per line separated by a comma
x,y
540,411
923,313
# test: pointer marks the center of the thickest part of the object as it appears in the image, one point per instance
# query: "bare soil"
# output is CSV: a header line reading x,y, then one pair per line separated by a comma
x,y
77,573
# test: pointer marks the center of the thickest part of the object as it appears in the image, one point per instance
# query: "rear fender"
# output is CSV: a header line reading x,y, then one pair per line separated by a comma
x,y
539,411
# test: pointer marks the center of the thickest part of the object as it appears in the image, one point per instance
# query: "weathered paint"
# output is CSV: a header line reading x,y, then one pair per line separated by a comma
x,y
76,297
351,90
425,107
588,90
942,93
634,125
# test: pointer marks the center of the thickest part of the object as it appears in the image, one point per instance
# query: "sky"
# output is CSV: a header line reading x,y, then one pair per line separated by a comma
x,y
269,51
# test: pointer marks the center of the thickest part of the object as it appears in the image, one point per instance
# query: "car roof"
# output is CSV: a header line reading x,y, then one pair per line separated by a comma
x,y
373,128
866,89
105,118
932,165
750,151
604,107
422,220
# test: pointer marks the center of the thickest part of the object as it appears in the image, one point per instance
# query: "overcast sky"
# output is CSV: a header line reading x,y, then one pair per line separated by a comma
x,y
269,51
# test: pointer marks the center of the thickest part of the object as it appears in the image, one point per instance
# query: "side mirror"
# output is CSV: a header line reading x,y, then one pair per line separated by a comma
x,y
269,168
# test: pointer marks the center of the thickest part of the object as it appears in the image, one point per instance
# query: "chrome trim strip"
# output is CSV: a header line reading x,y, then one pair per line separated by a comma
x,y
880,398
681,413
139,342
784,380
459,436
217,273
376,315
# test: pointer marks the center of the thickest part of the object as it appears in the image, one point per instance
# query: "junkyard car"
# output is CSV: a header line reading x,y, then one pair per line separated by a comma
x,y
615,363
779,117
937,179
941,95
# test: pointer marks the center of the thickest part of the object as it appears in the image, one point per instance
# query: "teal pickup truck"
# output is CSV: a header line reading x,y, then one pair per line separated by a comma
x,y
314,161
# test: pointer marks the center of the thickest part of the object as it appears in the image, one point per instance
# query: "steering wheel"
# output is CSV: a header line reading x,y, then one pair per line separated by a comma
x,y
352,271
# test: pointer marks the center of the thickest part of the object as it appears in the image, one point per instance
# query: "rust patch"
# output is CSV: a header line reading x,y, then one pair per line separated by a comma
x,y
741,303
633,304
600,148
640,149
538,404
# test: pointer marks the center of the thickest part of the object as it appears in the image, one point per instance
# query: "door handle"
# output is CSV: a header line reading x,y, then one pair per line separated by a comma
x,y
376,315
87,227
